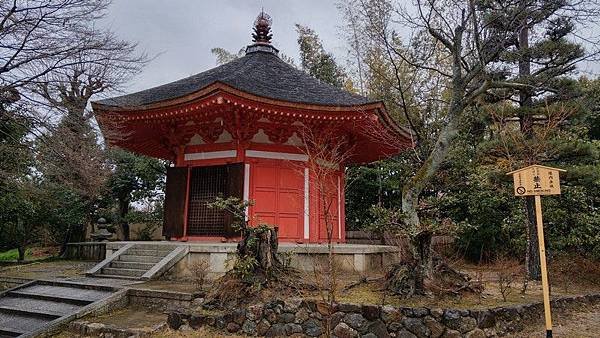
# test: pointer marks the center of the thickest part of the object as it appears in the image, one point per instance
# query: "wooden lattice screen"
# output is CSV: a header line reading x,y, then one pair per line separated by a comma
x,y
206,183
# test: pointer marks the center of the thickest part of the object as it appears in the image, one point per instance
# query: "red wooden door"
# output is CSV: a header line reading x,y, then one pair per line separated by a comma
x,y
277,188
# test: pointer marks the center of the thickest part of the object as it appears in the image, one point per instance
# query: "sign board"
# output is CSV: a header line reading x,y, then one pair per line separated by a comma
x,y
536,180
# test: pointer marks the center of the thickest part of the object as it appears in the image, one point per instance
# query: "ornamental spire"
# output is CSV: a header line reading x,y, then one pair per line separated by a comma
x,y
262,28
262,35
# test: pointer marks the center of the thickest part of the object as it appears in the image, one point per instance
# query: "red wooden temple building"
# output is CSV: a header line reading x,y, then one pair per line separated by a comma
x,y
234,130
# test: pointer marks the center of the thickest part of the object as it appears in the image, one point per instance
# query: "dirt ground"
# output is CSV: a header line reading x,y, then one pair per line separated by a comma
x,y
581,324
46,269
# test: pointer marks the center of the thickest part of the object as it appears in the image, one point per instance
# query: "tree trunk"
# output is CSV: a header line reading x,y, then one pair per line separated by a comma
x,y
21,250
123,211
532,255
421,243
261,244
423,260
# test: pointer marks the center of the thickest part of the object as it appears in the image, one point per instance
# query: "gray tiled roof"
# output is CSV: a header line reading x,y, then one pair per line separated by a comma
x,y
259,73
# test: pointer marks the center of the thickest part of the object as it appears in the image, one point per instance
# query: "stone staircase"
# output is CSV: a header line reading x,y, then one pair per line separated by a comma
x,y
33,307
139,261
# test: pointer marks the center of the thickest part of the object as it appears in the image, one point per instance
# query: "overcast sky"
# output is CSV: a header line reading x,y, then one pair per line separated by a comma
x,y
181,33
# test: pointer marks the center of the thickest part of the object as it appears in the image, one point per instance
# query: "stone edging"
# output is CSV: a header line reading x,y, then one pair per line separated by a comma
x,y
308,318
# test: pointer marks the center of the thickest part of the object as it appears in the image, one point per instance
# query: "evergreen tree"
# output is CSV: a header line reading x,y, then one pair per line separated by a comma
x,y
316,61
539,60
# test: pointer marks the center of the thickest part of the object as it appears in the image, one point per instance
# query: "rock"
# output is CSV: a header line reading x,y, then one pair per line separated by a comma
x,y
254,312
394,326
196,321
292,305
416,326
249,327
312,328
94,329
390,314
451,315
436,328
277,330
371,312
467,324
369,335
174,320
485,319
220,322
490,332
477,333
378,328
262,327
452,334
286,317
239,316
336,318
270,315
185,328
436,313
355,320
454,320
301,316
292,328
420,312
342,330
405,334
232,327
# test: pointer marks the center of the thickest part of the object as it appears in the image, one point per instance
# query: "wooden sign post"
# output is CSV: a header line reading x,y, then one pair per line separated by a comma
x,y
537,180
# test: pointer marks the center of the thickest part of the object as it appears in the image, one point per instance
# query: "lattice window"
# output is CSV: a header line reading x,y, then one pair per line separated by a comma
x,y
206,183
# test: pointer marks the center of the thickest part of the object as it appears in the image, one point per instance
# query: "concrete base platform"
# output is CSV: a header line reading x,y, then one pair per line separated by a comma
x,y
217,258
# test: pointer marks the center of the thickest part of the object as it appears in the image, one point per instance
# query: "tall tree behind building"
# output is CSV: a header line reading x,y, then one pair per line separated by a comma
x,y
316,61
540,58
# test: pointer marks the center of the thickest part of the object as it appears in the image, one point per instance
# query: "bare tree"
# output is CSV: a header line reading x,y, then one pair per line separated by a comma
x,y
41,36
327,153
454,48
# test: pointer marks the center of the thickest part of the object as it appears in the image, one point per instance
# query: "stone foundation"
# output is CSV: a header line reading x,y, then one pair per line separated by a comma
x,y
309,319
218,256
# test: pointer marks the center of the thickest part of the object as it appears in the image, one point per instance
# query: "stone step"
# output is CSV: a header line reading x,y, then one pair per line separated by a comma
x,y
145,252
8,333
34,306
62,299
141,259
119,277
123,272
66,291
12,325
149,246
23,312
131,265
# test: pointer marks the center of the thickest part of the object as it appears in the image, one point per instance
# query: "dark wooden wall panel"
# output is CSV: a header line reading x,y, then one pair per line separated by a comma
x,y
175,196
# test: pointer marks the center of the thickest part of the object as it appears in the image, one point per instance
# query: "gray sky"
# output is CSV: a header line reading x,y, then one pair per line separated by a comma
x,y
181,32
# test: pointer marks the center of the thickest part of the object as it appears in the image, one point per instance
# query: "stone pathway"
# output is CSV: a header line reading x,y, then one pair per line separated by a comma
x,y
36,305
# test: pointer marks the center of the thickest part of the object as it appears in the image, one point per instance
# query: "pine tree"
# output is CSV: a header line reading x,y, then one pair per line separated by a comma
x,y
539,60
